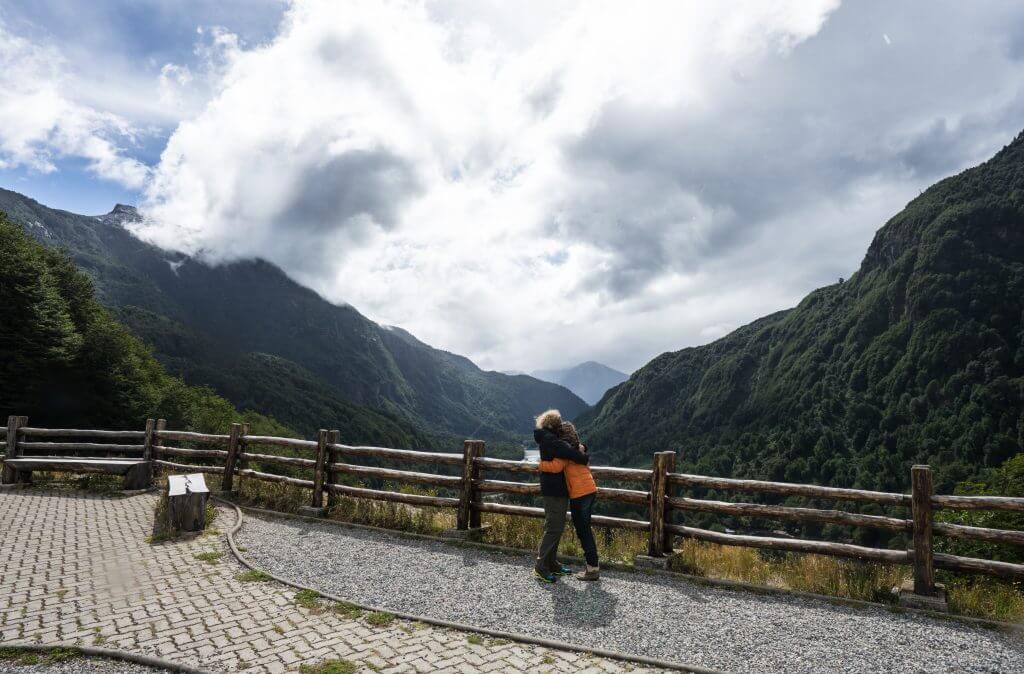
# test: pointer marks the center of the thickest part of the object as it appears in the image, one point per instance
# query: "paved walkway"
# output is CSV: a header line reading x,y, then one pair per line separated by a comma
x,y
77,570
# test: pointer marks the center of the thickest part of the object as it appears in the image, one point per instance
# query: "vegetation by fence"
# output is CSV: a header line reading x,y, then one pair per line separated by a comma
x,y
659,488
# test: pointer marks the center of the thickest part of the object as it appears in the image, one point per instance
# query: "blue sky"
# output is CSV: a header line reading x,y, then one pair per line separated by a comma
x,y
532,184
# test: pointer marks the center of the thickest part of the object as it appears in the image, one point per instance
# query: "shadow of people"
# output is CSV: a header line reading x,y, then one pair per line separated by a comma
x,y
582,604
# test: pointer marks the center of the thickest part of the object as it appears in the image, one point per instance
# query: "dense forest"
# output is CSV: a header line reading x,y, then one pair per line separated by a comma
x,y
67,363
917,358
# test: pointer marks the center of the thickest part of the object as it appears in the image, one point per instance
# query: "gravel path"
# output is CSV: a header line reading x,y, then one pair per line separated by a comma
x,y
634,613
77,666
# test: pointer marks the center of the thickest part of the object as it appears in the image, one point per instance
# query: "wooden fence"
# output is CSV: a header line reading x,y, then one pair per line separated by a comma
x,y
658,488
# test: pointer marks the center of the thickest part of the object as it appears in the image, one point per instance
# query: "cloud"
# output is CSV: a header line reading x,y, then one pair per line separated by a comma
x,y
40,124
540,183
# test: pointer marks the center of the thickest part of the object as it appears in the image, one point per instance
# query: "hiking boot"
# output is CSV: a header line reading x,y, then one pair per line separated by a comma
x,y
561,570
544,576
589,574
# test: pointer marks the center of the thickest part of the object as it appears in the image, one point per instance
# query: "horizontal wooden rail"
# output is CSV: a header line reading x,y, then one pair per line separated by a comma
x,y
280,460
606,493
791,514
452,481
979,533
79,447
188,436
526,511
400,454
81,433
293,443
970,564
791,489
198,453
979,502
217,470
393,496
603,472
270,477
792,545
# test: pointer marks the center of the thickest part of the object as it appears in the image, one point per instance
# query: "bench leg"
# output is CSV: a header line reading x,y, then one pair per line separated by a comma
x,y
12,476
138,477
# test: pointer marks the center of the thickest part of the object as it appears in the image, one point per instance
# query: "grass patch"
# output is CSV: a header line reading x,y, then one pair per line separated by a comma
x,y
211,557
329,667
985,597
347,610
380,618
62,654
309,599
254,576
475,639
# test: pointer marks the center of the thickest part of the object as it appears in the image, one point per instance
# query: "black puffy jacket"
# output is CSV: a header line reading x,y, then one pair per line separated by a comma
x,y
553,484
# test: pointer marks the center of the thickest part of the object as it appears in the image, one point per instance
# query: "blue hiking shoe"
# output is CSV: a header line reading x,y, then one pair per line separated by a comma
x,y
544,576
561,570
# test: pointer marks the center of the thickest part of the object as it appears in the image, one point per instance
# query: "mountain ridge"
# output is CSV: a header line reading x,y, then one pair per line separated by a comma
x,y
589,380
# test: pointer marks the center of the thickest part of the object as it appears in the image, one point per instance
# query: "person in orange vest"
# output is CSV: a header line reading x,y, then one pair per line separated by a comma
x,y
582,492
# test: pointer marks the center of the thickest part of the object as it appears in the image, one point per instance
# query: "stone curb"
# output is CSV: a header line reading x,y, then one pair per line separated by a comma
x,y
110,653
734,585
511,636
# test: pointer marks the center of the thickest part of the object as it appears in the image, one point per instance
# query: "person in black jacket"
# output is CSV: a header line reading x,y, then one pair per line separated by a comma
x,y
555,493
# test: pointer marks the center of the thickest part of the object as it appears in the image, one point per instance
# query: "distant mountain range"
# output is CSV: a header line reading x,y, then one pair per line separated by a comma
x,y
589,380
266,343
917,358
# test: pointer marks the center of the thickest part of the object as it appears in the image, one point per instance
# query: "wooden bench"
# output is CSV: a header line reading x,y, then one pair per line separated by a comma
x,y
25,454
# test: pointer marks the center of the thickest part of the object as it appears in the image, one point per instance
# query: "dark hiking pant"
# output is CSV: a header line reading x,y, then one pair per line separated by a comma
x,y
582,509
554,525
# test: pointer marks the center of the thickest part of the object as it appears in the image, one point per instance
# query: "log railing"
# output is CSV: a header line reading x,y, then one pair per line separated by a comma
x,y
470,475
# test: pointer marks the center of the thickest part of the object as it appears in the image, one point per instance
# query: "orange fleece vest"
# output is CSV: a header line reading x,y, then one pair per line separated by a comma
x,y
577,476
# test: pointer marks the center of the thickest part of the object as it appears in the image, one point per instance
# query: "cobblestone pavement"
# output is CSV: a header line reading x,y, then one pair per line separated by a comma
x,y
77,570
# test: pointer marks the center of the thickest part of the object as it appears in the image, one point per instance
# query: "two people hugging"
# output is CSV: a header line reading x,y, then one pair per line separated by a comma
x,y
565,481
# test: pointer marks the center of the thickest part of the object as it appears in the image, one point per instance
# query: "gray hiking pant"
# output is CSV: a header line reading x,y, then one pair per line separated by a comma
x,y
554,525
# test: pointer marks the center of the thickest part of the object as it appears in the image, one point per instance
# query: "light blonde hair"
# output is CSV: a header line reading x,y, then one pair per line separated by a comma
x,y
551,420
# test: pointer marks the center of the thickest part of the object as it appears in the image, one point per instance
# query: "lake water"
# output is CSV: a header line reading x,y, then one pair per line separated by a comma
x,y
531,455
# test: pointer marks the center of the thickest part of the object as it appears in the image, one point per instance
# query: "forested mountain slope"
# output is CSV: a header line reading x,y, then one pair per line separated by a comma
x,y
918,357
264,341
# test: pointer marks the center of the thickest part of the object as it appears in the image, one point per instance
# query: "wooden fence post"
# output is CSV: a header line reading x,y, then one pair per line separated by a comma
x,y
147,440
333,438
316,509
656,540
10,475
921,502
468,517
161,425
670,467
232,457
240,462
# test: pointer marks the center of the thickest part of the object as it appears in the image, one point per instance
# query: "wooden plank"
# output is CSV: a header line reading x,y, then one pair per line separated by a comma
x,y
196,453
970,564
80,447
9,474
469,494
815,491
216,470
656,505
816,547
924,568
1012,503
188,436
451,481
791,513
394,496
76,465
231,457
83,433
293,443
978,533
400,454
